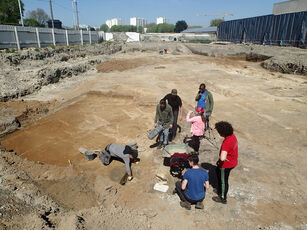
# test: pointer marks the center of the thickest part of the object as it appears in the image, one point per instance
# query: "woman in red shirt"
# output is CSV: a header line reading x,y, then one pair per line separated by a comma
x,y
228,159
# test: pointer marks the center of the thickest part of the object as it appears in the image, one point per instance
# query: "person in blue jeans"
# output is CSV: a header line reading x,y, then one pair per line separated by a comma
x,y
164,117
192,189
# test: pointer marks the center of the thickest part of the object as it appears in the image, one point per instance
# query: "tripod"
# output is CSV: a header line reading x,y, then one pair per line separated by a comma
x,y
208,135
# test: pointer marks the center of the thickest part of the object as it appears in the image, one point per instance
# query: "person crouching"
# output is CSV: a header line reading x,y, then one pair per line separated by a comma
x,y
192,189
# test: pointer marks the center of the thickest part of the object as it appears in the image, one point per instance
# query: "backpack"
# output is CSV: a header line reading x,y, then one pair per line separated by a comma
x,y
178,162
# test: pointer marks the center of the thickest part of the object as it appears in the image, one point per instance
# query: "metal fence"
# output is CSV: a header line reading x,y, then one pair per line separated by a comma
x,y
284,30
21,37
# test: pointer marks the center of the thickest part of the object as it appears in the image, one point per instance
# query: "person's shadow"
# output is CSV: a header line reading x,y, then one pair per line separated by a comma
x,y
212,173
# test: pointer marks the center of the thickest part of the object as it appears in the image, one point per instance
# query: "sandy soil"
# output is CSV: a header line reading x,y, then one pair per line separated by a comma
x,y
268,111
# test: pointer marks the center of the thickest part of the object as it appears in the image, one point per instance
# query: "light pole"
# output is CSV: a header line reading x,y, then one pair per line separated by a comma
x,y
51,14
20,13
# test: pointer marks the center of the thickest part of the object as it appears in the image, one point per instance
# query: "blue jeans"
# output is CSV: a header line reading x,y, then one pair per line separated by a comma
x,y
165,135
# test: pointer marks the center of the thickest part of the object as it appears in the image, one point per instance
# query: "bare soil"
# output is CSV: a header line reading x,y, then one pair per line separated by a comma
x,y
268,111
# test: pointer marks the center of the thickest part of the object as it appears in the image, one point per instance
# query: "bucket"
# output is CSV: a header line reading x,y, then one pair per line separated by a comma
x,y
175,148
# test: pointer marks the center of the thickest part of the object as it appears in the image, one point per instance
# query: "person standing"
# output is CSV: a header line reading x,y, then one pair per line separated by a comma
x,y
228,159
197,127
192,189
175,102
164,117
204,100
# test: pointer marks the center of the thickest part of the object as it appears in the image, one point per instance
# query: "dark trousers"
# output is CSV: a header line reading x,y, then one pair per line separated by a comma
x,y
182,195
174,129
222,181
195,143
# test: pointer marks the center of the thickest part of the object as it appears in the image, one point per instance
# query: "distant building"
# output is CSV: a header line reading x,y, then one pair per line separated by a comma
x,y
115,22
57,24
292,6
138,22
161,20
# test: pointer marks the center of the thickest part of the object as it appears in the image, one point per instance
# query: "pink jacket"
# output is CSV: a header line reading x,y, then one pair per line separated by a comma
x,y
198,126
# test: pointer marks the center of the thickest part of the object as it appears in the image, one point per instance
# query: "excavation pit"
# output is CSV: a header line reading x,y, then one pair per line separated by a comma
x,y
91,121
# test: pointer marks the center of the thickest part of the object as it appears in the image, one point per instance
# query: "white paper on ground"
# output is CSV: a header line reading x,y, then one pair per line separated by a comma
x,y
161,187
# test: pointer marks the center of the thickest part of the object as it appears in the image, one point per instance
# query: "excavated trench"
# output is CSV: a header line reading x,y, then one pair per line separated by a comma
x,y
91,121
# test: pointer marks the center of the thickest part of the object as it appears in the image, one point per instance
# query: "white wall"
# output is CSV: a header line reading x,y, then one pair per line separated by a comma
x,y
21,37
292,6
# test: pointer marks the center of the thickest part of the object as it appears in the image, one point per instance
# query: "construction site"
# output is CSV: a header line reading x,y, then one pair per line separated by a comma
x,y
58,100
66,95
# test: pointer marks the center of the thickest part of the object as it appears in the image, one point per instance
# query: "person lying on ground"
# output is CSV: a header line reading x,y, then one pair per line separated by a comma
x,y
164,117
197,127
228,159
192,189
126,153
175,102
204,100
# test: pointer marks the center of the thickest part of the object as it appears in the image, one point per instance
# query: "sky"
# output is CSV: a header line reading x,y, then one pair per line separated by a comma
x,y
96,12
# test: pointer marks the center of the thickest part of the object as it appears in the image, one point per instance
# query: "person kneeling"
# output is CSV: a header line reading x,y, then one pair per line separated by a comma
x,y
193,188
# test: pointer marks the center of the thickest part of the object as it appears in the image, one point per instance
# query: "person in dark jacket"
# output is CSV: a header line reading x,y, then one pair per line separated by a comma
x,y
164,117
175,102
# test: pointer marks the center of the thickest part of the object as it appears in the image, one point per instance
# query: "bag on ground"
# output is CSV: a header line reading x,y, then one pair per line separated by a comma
x,y
178,162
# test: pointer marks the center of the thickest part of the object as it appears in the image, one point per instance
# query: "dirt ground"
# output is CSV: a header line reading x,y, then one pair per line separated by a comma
x,y
117,104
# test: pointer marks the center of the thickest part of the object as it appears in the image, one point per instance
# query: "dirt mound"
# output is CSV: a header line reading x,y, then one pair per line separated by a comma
x,y
121,65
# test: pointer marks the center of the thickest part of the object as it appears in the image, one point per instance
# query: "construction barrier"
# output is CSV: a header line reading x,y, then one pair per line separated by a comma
x,y
282,30
21,37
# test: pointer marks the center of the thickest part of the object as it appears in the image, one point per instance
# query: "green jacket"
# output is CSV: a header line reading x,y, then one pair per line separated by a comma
x,y
209,102
165,117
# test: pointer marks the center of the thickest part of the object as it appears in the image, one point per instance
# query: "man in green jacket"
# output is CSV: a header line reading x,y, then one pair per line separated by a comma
x,y
164,117
204,100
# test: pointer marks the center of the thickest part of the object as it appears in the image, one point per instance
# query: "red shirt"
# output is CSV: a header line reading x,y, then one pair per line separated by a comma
x,y
230,145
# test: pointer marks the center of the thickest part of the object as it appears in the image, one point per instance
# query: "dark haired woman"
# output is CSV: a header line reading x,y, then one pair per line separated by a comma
x,y
228,159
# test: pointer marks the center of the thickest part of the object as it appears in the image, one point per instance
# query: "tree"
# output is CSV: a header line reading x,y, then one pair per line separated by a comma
x,y
150,25
216,22
31,22
39,15
162,28
180,26
9,11
104,27
140,29
125,28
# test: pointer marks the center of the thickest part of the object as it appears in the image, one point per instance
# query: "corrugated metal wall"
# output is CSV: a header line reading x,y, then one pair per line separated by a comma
x,y
283,30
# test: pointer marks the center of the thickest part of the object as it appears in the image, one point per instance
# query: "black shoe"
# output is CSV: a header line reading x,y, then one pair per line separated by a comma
x,y
174,191
160,145
218,199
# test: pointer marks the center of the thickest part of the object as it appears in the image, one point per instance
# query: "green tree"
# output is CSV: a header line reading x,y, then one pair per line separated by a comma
x,y
140,29
39,15
216,22
125,28
104,27
9,11
31,22
150,25
180,26
162,28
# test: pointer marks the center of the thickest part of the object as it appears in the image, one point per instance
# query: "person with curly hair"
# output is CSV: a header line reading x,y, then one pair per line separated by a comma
x,y
228,159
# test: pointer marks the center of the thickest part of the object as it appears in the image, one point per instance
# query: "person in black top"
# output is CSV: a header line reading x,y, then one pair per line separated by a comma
x,y
175,102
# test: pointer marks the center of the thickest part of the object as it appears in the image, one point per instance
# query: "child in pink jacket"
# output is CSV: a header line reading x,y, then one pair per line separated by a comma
x,y
197,128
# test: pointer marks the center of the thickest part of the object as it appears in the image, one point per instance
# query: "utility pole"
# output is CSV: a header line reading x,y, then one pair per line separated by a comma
x,y
77,14
73,13
20,13
51,13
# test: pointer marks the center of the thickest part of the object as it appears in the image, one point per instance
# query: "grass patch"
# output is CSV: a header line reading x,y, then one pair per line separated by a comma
x,y
200,41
